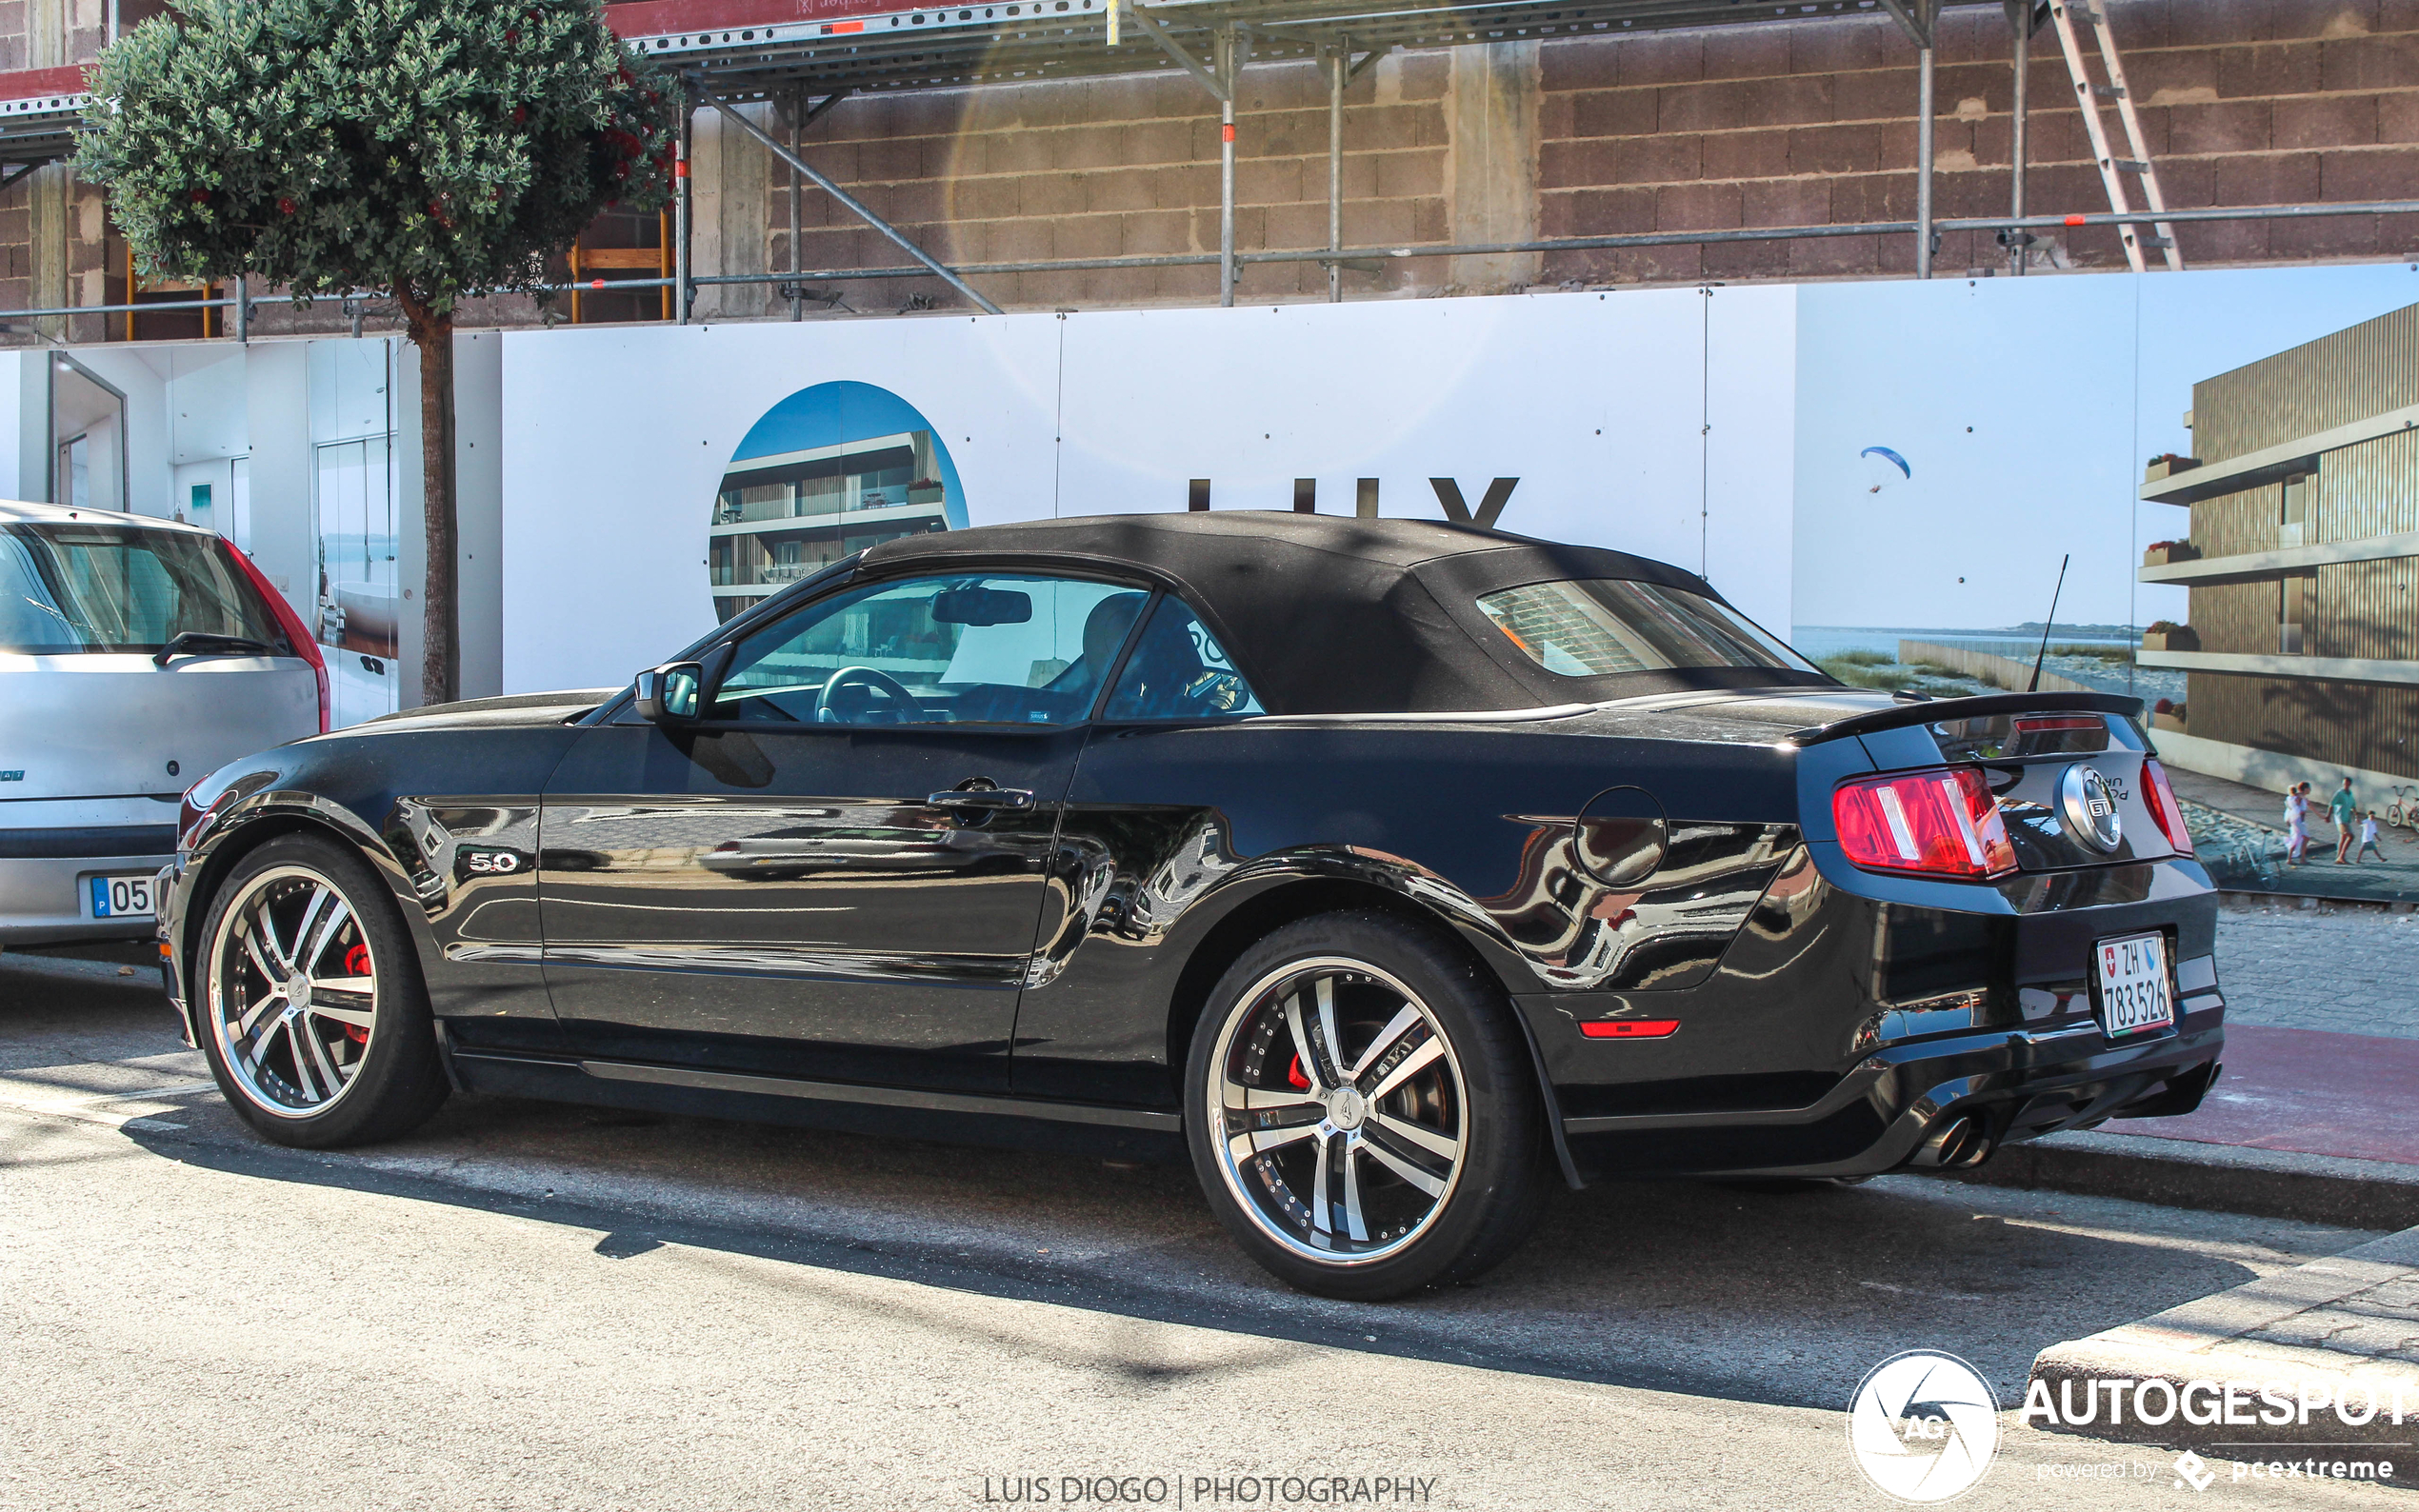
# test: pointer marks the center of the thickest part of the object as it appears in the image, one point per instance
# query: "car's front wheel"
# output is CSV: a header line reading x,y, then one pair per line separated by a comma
x,y
314,1017
1361,1109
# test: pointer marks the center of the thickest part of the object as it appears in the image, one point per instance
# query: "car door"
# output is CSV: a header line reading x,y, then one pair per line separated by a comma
x,y
838,871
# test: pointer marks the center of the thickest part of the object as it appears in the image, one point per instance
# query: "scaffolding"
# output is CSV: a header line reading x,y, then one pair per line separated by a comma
x,y
760,52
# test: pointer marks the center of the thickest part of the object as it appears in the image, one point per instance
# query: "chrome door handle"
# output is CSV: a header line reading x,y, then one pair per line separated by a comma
x,y
983,799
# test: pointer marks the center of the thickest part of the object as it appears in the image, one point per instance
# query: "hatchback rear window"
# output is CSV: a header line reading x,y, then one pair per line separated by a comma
x,y
111,587
1601,627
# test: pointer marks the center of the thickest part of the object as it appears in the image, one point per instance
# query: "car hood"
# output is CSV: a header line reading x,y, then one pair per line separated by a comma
x,y
515,712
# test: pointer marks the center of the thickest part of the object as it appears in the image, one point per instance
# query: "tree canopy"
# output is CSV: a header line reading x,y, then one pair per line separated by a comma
x,y
439,148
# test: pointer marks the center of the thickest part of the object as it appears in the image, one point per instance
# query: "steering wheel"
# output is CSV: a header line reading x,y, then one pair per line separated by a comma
x,y
874,680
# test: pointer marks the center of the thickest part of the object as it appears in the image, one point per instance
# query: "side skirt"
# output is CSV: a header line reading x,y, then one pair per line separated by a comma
x,y
897,1112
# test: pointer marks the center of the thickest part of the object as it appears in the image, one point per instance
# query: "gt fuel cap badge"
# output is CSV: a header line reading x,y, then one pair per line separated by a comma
x,y
2090,807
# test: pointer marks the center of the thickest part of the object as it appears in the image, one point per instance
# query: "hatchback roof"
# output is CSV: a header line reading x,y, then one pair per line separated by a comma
x,y
23,511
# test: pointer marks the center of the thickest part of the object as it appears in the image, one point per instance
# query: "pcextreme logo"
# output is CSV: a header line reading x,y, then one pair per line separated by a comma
x,y
1923,1426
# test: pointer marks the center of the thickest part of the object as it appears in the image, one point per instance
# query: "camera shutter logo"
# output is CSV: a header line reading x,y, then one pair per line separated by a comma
x,y
1923,1426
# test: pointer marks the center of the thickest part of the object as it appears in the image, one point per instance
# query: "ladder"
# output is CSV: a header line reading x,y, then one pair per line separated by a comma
x,y
2071,16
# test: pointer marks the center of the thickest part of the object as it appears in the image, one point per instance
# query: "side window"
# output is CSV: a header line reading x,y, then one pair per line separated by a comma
x,y
965,647
1179,671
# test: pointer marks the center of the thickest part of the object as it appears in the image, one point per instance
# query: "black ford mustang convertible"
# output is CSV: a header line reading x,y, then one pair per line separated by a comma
x,y
1390,868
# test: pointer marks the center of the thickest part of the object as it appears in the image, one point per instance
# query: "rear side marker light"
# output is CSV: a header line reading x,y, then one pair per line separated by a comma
x,y
1939,823
1630,1029
2164,811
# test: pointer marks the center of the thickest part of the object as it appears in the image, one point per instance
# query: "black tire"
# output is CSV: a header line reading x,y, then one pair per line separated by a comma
x,y
1463,1118
282,1042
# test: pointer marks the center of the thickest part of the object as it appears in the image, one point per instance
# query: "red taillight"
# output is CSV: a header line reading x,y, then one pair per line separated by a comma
x,y
1940,823
304,647
2165,811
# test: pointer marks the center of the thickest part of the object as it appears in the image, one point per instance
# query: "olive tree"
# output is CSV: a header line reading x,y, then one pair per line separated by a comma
x,y
432,151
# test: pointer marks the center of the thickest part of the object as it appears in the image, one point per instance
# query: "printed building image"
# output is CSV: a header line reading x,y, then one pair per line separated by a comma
x,y
778,518
2302,562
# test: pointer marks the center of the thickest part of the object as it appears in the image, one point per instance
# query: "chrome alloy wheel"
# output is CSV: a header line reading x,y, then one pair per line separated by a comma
x,y
1341,1108
293,992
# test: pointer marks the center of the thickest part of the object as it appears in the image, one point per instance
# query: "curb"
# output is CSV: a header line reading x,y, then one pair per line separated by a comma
x,y
2212,1177
2207,1340
2320,901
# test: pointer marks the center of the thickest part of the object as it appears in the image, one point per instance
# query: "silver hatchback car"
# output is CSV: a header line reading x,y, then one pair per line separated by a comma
x,y
136,656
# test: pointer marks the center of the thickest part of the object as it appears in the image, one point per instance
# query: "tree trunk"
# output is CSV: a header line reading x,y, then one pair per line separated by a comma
x,y
441,617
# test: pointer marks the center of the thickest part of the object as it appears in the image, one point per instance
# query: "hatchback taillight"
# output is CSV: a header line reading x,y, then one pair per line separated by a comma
x,y
2168,814
1940,823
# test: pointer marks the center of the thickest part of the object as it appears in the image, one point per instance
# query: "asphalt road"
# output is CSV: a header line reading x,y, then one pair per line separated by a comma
x,y
537,1307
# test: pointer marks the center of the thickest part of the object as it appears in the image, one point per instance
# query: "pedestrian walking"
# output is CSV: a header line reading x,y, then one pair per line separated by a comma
x,y
2368,838
2341,807
2296,823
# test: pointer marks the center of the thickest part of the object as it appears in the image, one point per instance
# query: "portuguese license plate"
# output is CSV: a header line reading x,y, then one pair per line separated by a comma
x,y
124,897
2137,994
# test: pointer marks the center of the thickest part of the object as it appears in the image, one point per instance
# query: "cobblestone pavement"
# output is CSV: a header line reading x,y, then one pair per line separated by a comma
x,y
2352,971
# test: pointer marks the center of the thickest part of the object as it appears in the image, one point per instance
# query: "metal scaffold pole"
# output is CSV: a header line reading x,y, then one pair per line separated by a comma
x,y
2020,17
1920,20
1338,62
1225,64
680,212
1923,161
797,299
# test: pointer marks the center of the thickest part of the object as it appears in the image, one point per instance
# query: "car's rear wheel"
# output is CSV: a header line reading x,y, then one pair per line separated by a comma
x,y
1361,1109
314,1017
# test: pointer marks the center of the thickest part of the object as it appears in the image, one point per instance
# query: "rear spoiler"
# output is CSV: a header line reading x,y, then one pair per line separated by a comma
x,y
1934,710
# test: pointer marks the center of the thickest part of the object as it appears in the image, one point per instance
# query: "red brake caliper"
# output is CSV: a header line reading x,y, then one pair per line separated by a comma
x,y
357,965
1294,1078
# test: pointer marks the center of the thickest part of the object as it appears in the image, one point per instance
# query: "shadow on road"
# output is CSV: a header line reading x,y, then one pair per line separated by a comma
x,y
1754,1296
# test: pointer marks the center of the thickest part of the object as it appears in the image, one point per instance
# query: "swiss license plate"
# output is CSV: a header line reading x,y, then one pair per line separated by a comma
x,y
2136,993
126,897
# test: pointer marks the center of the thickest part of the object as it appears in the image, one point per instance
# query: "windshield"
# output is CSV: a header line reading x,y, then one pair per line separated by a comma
x,y
1600,627
113,588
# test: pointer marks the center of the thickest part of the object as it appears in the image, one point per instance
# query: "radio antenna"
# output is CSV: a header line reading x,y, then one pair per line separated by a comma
x,y
2034,687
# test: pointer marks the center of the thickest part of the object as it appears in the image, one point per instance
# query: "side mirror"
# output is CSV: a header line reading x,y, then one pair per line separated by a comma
x,y
667,694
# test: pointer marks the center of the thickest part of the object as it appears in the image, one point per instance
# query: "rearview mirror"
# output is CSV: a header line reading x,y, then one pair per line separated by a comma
x,y
980,606
667,694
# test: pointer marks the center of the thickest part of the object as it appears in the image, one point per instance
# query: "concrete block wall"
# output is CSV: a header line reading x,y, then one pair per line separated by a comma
x,y
2244,101
1122,167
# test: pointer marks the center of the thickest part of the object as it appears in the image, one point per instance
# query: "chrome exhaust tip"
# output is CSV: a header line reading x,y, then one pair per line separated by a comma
x,y
1958,1145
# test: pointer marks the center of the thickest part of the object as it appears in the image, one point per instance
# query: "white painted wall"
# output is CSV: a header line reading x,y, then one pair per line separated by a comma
x,y
1597,404
276,396
478,505
615,438
24,446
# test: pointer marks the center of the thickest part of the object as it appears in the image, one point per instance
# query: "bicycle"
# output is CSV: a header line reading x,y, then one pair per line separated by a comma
x,y
2401,813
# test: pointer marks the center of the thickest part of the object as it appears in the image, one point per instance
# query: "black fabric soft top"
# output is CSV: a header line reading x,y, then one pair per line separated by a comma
x,y
1325,615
